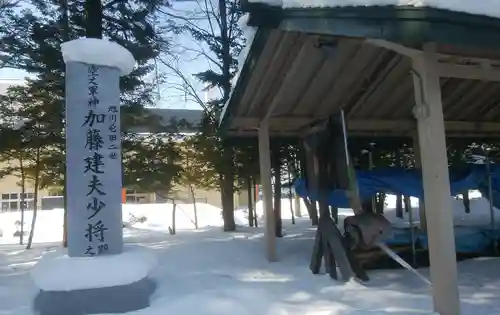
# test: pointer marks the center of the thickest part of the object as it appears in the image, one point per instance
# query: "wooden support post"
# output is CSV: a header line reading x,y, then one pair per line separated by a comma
x,y
267,191
418,165
439,215
330,245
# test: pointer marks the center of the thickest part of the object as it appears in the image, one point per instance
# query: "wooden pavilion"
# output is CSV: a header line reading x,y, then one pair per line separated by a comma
x,y
395,71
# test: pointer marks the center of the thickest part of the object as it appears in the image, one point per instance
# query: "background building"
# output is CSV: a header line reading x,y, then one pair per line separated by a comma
x,y
10,188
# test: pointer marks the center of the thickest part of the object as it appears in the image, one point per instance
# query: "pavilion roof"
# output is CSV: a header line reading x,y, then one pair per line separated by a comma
x,y
305,64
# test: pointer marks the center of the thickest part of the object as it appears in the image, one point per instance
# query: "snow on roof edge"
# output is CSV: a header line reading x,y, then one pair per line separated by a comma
x,y
249,34
489,8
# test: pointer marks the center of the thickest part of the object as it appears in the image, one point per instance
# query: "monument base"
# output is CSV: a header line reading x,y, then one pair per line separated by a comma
x,y
99,285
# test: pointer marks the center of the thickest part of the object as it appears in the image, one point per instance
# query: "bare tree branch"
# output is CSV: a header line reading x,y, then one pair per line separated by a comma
x,y
188,87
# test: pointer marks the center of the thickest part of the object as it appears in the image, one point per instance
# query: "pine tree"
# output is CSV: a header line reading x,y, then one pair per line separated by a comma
x,y
152,163
196,171
6,9
25,136
213,25
34,36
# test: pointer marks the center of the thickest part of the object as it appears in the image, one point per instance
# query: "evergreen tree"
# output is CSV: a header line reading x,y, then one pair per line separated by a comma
x,y
6,9
25,137
196,171
215,27
152,163
32,43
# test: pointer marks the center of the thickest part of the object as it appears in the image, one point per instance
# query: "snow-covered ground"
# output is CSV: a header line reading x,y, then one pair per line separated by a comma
x,y
208,272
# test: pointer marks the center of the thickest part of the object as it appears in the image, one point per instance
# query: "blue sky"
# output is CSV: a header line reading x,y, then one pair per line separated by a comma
x,y
170,95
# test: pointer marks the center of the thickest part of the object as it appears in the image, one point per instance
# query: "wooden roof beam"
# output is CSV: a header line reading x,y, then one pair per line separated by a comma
x,y
290,79
484,73
446,58
410,125
450,66
368,125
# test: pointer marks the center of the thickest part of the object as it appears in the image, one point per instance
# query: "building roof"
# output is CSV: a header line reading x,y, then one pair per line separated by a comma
x,y
305,64
181,120
178,120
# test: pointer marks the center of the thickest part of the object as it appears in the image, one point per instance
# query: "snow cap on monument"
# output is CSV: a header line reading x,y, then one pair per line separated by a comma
x,y
99,52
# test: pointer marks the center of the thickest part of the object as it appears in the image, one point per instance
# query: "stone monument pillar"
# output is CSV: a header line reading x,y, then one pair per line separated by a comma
x,y
93,151
98,275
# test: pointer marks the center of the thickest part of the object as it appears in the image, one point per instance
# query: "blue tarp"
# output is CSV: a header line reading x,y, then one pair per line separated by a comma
x,y
409,182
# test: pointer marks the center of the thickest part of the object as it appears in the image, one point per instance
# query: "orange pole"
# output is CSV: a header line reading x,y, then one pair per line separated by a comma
x,y
124,195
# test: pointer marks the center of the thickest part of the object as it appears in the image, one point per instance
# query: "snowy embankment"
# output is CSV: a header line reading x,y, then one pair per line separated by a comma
x,y
158,217
153,217
214,273
209,272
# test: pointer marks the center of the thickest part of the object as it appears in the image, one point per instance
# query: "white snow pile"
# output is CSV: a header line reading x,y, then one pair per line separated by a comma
x,y
483,7
98,52
56,271
215,273
152,217
48,226
158,216
249,34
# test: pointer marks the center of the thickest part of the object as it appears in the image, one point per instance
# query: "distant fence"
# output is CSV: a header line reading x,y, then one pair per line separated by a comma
x,y
160,199
57,202
52,202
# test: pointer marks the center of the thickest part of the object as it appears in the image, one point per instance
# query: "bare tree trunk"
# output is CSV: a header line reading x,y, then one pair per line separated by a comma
x,y
66,37
226,182
35,203
172,228
227,196
65,215
250,202
399,206
23,200
466,201
290,195
276,165
294,169
93,12
226,50
227,189
255,199
399,197
193,198
407,201
380,203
